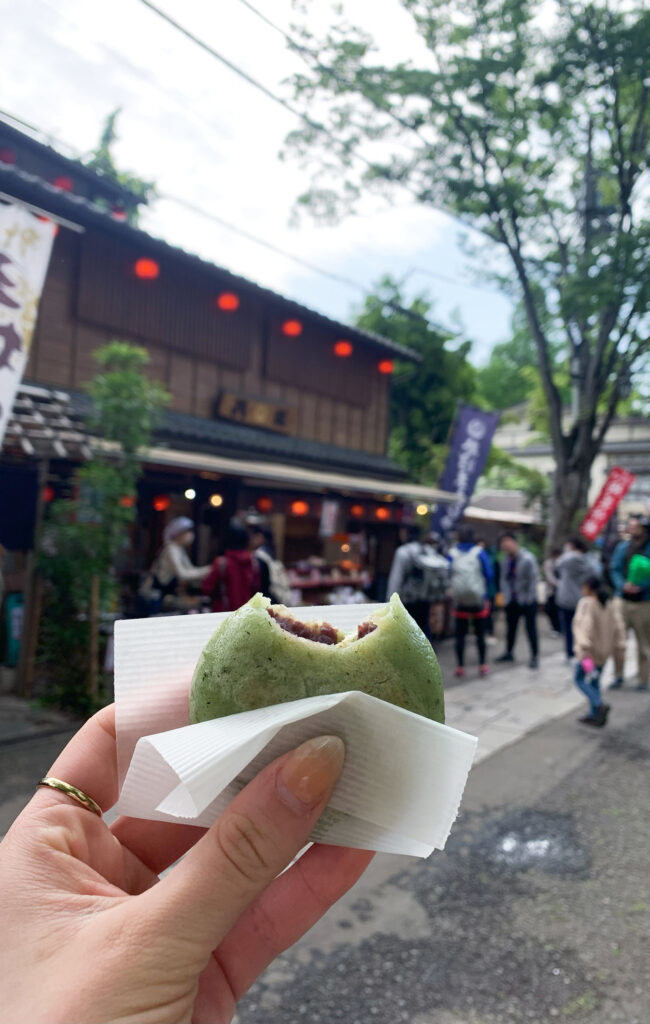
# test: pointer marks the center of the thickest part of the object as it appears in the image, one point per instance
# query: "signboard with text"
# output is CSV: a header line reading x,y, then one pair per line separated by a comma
x,y
468,454
25,246
256,413
614,490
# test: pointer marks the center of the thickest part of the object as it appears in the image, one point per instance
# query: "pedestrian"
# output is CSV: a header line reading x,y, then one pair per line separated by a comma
x,y
634,592
420,575
572,568
437,608
92,933
275,581
492,588
235,576
471,575
596,636
172,572
519,578
551,579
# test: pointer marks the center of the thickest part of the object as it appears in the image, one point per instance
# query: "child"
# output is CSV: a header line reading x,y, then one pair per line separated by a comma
x,y
595,629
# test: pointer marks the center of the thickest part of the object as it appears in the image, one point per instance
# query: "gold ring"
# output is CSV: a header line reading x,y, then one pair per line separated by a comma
x,y
76,794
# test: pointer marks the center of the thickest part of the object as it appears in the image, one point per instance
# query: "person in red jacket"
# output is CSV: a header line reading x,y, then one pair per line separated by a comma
x,y
235,576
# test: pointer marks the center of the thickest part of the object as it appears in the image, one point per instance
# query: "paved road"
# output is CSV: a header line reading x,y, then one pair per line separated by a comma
x,y
538,910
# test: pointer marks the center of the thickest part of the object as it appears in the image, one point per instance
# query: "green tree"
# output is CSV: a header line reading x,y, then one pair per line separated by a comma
x,y
101,160
424,397
84,535
537,137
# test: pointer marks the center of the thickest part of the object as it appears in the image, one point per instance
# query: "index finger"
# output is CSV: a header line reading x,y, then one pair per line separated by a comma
x,y
89,761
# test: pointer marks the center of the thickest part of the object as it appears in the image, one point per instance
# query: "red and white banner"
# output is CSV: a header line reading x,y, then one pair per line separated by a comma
x,y
25,246
614,489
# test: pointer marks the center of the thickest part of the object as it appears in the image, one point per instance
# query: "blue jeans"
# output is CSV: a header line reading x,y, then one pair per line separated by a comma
x,y
566,625
590,687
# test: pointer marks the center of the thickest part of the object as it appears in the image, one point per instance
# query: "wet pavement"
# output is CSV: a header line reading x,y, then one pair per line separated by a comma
x,y
538,910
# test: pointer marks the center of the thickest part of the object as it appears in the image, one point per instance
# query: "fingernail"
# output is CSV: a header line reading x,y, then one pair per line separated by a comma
x,y
310,771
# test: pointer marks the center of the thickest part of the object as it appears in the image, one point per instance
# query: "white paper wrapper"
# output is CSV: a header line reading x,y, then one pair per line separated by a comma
x,y
403,777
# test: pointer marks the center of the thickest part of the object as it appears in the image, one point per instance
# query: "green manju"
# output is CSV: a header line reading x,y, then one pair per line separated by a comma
x,y
251,661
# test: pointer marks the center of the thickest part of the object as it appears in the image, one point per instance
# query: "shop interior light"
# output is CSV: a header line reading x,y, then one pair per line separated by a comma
x,y
292,328
264,504
190,494
357,511
64,183
146,269
343,348
299,508
127,500
382,513
422,510
386,366
216,500
228,302
345,548
161,502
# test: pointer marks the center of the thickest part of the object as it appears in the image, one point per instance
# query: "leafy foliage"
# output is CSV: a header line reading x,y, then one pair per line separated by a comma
x,y
101,160
539,139
83,536
423,397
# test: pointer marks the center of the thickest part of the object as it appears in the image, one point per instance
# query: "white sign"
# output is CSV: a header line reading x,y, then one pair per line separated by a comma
x,y
25,246
329,517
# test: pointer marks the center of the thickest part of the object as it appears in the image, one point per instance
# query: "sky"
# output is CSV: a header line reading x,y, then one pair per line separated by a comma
x,y
206,136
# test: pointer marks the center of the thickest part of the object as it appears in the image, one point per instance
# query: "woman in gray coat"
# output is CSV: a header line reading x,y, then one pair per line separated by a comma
x,y
572,569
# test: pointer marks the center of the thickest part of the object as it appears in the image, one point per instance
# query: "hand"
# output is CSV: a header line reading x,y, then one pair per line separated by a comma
x,y
96,936
631,588
588,665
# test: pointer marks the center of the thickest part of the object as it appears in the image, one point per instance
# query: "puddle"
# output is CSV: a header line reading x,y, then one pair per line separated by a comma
x,y
527,839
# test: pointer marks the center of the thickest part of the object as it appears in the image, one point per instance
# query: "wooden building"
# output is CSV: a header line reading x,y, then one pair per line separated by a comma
x,y
276,410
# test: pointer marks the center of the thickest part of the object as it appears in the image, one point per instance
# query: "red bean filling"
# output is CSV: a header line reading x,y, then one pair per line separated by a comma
x,y
319,632
365,628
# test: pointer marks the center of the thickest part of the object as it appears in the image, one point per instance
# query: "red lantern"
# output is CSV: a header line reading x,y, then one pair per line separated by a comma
x,y
127,500
228,302
264,504
161,502
357,511
382,513
7,156
386,366
146,269
292,328
343,349
64,183
299,508
48,494
118,214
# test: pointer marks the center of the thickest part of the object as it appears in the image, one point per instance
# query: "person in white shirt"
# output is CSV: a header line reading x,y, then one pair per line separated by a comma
x,y
173,565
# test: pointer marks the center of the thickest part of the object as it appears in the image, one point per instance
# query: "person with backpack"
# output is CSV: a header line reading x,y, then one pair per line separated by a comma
x,y
597,633
275,582
420,575
630,573
235,576
471,576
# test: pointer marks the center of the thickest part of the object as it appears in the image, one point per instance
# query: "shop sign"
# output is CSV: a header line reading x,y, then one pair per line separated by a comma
x,y
329,518
256,413
25,245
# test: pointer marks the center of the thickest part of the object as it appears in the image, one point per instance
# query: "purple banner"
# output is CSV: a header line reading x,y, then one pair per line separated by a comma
x,y
467,456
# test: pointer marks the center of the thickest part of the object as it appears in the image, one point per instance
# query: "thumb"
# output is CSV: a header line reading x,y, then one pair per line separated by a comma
x,y
255,838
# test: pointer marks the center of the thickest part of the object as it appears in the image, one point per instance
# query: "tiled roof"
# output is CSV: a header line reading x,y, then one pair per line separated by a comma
x,y
194,433
76,209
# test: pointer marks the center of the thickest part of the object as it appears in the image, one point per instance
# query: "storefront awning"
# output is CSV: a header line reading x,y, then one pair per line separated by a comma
x,y
294,477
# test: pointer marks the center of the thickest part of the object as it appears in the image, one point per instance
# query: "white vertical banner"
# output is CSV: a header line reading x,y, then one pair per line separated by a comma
x,y
25,247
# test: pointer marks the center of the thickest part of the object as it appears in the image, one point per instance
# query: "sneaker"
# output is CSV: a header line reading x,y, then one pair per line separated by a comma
x,y
601,715
617,684
484,670
588,720
534,662
505,657
459,671
642,688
